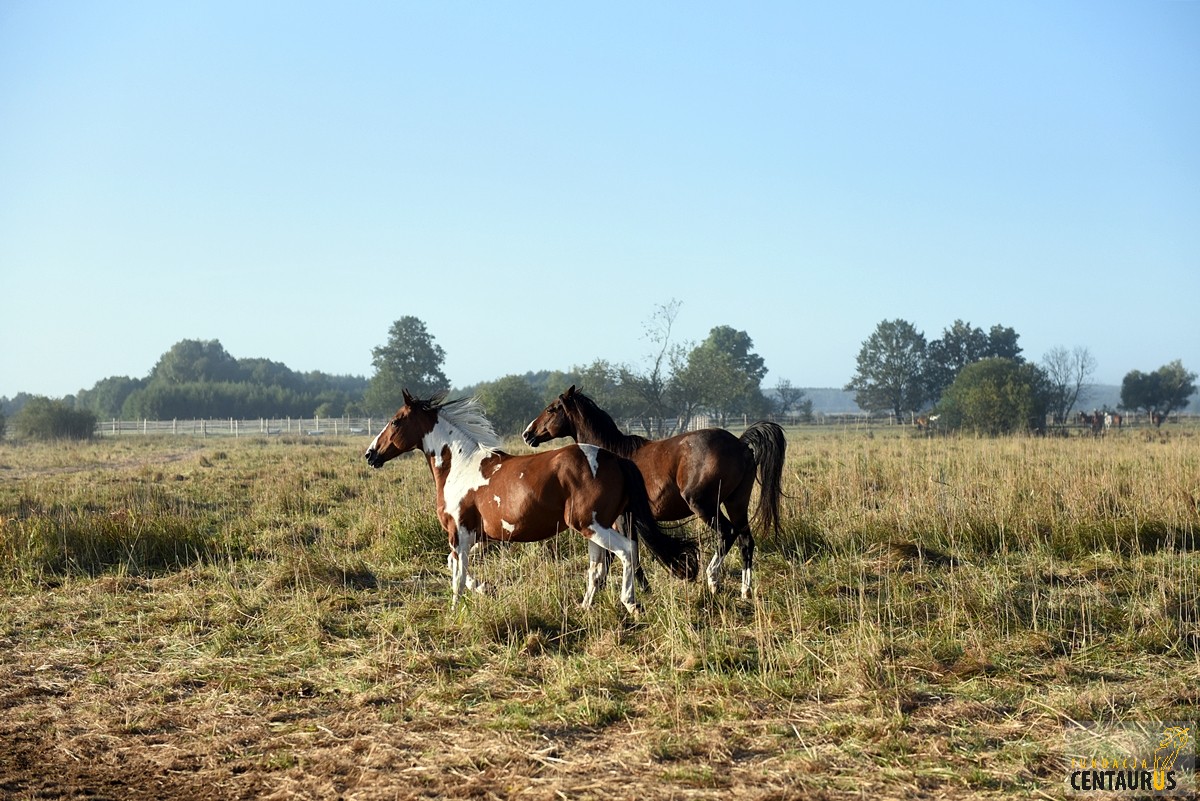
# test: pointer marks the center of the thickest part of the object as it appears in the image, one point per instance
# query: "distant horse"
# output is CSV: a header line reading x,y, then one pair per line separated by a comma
x,y
1093,421
695,473
926,423
484,492
1112,420
1157,418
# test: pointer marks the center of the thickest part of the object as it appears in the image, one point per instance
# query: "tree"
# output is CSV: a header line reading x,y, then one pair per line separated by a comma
x,y
1168,388
510,403
654,395
996,396
1066,373
793,400
46,419
962,344
192,360
891,370
107,396
411,361
725,374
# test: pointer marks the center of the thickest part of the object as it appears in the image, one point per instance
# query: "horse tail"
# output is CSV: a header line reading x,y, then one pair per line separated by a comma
x,y
768,445
681,555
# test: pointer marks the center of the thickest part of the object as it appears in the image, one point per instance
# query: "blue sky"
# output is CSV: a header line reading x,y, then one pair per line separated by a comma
x,y
533,180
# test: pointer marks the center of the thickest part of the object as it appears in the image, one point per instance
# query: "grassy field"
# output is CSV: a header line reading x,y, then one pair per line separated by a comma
x,y
253,618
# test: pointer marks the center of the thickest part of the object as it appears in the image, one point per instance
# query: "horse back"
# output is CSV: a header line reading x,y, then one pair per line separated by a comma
x,y
703,461
533,497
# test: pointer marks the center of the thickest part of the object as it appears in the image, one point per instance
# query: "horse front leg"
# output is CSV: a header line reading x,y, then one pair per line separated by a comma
x,y
460,577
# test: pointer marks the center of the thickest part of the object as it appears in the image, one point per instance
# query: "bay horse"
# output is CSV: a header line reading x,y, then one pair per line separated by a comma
x,y
691,474
484,492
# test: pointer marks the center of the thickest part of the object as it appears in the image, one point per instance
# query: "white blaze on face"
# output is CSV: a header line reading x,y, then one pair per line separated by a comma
x,y
592,454
374,446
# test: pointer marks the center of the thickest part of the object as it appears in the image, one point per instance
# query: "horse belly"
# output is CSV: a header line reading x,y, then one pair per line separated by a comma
x,y
516,514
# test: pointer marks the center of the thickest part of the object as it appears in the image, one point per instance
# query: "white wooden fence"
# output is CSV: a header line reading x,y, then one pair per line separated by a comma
x,y
232,427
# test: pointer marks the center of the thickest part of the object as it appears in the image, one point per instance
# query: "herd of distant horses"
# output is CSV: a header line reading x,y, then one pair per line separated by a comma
x,y
613,488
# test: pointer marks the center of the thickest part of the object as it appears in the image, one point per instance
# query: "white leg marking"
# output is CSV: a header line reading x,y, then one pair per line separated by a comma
x,y
597,573
713,572
616,542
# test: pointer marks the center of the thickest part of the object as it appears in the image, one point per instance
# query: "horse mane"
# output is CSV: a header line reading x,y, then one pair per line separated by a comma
x,y
466,415
596,426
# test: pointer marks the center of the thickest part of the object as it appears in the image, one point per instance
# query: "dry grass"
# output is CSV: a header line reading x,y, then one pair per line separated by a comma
x,y
270,619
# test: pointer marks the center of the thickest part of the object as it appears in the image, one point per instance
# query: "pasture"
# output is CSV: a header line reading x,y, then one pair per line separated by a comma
x,y
270,618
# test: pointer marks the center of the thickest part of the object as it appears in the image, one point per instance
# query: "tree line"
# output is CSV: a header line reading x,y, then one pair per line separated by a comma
x,y
979,380
968,378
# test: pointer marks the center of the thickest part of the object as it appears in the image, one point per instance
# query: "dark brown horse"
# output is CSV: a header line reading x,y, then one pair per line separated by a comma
x,y
484,492
1093,421
690,474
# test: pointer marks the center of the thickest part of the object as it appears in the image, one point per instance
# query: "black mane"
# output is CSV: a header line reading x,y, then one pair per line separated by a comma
x,y
594,426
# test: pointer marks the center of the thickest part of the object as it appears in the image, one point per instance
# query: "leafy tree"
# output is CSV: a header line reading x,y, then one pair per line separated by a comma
x,y
960,345
792,399
193,360
996,396
411,361
1002,344
108,395
726,373
510,403
1066,373
46,419
3,425
1168,388
891,370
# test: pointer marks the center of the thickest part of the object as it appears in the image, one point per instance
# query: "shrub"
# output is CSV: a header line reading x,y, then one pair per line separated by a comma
x,y
45,419
996,396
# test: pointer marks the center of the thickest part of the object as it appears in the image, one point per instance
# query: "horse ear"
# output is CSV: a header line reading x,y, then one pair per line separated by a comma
x,y
570,391
408,399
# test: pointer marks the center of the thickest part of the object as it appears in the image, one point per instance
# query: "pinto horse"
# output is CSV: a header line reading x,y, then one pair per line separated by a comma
x,y
692,474
484,492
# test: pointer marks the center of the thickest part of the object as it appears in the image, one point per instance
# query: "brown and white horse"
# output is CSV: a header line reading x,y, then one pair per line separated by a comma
x,y
484,492
692,474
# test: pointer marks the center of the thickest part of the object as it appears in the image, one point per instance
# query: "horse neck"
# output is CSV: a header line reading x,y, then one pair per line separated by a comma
x,y
600,429
446,441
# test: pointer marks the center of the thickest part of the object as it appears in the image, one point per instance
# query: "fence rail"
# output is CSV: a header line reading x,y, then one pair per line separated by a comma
x,y
362,426
233,427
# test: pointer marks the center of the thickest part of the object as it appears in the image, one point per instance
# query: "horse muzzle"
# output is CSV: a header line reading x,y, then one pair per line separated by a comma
x,y
374,459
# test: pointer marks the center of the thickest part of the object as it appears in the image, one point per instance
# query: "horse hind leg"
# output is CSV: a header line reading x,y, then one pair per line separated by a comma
x,y
613,541
626,527
720,525
598,562
746,543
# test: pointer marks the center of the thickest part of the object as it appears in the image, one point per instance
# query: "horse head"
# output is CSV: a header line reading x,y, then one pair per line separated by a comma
x,y
552,423
404,433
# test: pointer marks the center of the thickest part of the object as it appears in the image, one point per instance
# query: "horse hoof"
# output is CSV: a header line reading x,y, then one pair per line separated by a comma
x,y
635,609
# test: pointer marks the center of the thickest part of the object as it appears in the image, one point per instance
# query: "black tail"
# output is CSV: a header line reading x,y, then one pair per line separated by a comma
x,y
681,555
769,446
